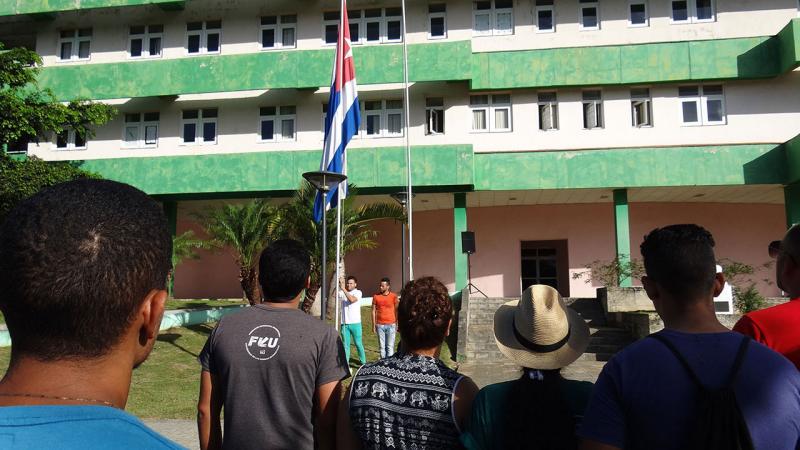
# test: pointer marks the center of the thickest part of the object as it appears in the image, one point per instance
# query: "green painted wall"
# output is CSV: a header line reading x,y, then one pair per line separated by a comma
x,y
792,151
639,167
459,225
14,7
622,232
264,70
791,196
744,58
281,171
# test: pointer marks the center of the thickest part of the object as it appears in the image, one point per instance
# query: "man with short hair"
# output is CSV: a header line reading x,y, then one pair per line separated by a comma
x,y
275,370
778,327
646,399
384,317
83,271
350,298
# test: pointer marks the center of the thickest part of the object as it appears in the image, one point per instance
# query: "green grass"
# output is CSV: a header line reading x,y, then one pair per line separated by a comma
x,y
167,384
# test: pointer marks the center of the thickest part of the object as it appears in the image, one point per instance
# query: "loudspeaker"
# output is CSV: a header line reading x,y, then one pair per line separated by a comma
x,y
468,242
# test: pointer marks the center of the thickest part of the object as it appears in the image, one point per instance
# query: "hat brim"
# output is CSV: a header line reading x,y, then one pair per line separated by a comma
x,y
510,346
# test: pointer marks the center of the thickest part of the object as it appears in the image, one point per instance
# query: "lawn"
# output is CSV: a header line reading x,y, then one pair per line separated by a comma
x,y
167,384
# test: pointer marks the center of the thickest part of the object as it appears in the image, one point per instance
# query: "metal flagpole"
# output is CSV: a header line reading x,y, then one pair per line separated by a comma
x,y
407,107
339,187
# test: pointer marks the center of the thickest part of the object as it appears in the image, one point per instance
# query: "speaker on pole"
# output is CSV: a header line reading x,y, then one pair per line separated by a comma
x,y
468,242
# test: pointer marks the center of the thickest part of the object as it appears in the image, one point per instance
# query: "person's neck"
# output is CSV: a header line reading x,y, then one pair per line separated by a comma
x,y
103,381
694,317
432,352
291,304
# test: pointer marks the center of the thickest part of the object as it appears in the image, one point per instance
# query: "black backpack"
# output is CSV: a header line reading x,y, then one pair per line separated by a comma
x,y
719,424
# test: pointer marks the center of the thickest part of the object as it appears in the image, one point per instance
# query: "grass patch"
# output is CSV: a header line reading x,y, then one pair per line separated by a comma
x,y
167,384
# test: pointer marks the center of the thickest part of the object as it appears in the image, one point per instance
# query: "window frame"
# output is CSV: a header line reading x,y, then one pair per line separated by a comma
x,y
361,22
544,5
646,23
597,106
72,138
383,113
645,100
75,41
493,13
553,104
584,4
432,110
491,107
203,32
199,126
438,15
142,124
701,104
691,13
146,38
278,27
277,123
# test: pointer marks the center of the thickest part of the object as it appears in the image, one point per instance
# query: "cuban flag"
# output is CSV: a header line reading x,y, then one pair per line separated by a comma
x,y
343,117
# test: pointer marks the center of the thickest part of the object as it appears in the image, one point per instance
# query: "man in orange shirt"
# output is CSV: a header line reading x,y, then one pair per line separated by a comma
x,y
384,317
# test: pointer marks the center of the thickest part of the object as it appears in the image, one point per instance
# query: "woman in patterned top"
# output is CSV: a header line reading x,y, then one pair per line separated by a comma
x,y
410,400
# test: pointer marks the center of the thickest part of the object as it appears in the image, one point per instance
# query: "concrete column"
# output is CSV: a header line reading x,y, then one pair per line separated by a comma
x,y
171,211
791,195
622,231
459,225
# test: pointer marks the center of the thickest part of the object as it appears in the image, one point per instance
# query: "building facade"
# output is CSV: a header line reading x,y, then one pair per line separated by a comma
x,y
558,131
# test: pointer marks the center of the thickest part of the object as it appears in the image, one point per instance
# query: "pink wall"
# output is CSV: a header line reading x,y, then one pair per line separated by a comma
x,y
741,231
214,275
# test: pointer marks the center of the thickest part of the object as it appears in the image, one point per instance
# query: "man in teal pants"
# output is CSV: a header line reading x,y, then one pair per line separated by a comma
x,y
350,297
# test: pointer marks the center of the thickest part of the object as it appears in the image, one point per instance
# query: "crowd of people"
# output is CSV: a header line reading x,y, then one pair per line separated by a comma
x,y
83,273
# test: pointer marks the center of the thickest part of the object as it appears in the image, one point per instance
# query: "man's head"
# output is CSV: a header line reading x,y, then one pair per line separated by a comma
x,y
680,265
83,266
385,286
787,267
283,271
351,283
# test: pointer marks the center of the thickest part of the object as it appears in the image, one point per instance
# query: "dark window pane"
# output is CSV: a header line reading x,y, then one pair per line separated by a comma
x,y
151,135
373,124
66,50
189,131
529,252
638,16
287,129
437,26
155,46
393,30
546,20
503,4
288,37
267,38
268,111
213,42
689,112
194,26
83,50
529,269
269,20
211,112
704,10
589,17
136,47
483,5
132,118
80,141
373,31
353,32
190,114
372,12
547,252
680,10
547,267
137,30
267,130
722,306
209,131
151,117
61,139
194,43
332,34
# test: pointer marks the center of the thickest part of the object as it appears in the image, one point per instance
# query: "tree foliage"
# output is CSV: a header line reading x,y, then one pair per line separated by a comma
x,y
29,113
609,273
740,275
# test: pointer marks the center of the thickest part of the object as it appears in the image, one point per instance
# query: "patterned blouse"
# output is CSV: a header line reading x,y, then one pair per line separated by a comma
x,y
405,402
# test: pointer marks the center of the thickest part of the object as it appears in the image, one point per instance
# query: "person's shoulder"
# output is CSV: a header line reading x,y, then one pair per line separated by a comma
x,y
358,293
768,359
785,311
493,391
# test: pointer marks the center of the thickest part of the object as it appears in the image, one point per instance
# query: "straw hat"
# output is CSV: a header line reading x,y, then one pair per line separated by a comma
x,y
539,331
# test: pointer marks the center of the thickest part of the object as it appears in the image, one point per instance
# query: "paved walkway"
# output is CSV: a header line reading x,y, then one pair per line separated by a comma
x,y
184,432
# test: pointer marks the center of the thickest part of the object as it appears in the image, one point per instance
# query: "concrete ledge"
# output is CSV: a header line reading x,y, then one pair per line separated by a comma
x,y
624,299
643,323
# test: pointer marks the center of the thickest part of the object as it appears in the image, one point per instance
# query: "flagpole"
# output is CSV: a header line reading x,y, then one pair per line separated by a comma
x,y
339,49
407,108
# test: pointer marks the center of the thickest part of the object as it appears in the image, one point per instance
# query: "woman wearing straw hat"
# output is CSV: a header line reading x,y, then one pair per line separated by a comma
x,y
540,410
410,400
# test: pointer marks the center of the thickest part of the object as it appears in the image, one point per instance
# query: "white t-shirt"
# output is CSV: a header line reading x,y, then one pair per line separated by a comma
x,y
351,312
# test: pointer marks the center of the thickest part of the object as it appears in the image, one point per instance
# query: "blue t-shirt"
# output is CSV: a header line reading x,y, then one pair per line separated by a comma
x,y
644,398
75,427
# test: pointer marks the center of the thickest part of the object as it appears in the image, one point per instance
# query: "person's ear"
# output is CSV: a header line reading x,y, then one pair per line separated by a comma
x,y
151,312
719,284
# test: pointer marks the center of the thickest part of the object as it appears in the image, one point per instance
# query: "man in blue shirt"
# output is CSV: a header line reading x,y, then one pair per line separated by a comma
x,y
645,399
83,272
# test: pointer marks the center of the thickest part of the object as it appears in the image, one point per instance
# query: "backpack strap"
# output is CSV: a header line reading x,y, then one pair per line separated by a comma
x,y
737,363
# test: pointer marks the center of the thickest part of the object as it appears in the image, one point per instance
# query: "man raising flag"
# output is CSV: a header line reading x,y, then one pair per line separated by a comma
x,y
343,117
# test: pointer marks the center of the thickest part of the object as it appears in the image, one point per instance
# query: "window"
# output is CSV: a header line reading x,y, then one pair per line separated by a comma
x,y
545,16
70,140
592,109
434,115
702,105
637,14
141,130
278,31
200,126
641,108
545,262
492,17
145,41
491,112
548,111
75,45
689,11
278,123
437,21
375,25
203,37
382,118
590,15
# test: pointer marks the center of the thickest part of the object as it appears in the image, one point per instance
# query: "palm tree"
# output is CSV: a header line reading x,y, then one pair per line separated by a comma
x,y
246,229
183,247
297,222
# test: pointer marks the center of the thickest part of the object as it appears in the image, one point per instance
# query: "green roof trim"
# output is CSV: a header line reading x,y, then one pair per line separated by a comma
x,y
17,7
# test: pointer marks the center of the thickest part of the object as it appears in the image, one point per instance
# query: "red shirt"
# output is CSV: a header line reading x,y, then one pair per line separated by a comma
x,y
777,327
384,308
